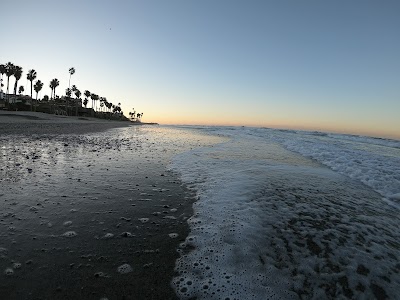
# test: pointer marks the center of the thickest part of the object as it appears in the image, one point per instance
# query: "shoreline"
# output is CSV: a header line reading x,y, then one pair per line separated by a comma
x,y
27,123
78,207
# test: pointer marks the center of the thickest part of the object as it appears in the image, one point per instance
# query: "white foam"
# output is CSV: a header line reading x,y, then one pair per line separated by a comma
x,y
67,223
8,272
69,234
124,269
17,265
224,231
374,162
247,216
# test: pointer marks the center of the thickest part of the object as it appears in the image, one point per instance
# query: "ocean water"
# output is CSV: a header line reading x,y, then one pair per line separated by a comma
x,y
285,214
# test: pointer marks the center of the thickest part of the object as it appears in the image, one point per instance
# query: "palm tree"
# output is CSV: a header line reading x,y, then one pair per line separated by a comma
x,y
94,98
77,95
68,93
71,72
87,95
52,89
56,84
31,76
38,86
105,104
17,75
102,102
3,70
53,84
21,90
9,72
132,115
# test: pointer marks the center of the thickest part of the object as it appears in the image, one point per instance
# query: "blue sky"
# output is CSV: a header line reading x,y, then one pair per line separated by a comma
x,y
327,65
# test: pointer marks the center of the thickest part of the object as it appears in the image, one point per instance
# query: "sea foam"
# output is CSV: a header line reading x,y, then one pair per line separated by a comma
x,y
271,224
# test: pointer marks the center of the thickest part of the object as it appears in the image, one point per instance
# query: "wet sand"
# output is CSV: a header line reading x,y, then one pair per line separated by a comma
x,y
77,209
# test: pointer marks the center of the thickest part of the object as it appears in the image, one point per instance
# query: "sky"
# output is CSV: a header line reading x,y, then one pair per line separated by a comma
x,y
314,65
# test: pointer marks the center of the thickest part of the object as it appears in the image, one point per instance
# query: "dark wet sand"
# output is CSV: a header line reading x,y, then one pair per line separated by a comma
x,y
97,183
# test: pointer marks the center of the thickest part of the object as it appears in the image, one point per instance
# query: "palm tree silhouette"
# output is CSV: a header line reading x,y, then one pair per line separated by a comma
x,y
92,95
87,95
109,105
94,98
56,84
77,95
17,74
21,90
53,84
105,103
31,76
71,72
3,70
68,93
38,86
9,72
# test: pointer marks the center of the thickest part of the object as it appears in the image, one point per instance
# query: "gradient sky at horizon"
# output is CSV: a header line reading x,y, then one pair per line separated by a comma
x,y
319,65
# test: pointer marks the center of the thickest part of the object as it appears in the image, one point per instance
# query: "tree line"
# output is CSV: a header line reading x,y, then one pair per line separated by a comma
x,y
10,69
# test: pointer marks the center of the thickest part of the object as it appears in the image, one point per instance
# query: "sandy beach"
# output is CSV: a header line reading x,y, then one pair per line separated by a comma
x,y
88,209
28,123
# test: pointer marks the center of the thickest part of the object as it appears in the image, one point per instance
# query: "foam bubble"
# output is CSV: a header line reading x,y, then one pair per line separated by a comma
x,y
127,234
67,223
108,235
101,274
124,269
69,234
17,265
9,272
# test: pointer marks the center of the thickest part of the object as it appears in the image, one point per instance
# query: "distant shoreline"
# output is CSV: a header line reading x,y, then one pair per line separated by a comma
x,y
143,123
28,123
